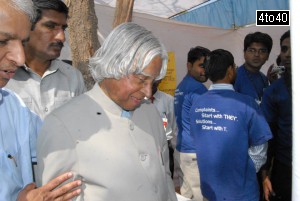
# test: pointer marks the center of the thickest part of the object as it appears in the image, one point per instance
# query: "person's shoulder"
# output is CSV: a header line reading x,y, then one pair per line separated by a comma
x,y
147,110
238,95
263,76
164,95
244,99
192,84
182,82
65,67
11,96
240,74
16,83
14,104
277,82
240,69
200,89
232,95
275,86
74,104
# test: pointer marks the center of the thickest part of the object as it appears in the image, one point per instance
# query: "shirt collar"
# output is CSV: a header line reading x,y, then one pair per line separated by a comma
x,y
126,114
157,94
221,87
52,68
98,95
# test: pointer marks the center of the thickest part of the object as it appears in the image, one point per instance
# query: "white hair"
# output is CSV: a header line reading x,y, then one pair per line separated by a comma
x,y
128,49
24,6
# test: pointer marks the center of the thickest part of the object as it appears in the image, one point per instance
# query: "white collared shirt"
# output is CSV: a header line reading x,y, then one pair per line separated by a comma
x,y
59,84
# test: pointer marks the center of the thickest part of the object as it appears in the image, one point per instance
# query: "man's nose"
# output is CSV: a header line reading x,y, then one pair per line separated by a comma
x,y
16,53
60,35
257,53
147,89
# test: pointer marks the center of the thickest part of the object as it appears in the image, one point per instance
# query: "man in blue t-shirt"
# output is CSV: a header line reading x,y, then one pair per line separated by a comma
x,y
277,108
185,154
224,125
250,80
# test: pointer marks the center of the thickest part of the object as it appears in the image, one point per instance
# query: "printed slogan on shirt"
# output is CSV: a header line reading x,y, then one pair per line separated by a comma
x,y
208,117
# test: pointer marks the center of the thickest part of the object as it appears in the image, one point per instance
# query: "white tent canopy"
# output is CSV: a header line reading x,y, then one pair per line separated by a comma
x,y
179,37
225,14
159,8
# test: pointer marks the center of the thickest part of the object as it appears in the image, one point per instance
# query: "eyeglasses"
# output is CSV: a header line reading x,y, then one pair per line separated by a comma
x,y
259,51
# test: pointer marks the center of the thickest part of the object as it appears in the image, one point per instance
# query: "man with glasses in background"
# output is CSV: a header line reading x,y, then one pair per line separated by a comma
x,y
251,81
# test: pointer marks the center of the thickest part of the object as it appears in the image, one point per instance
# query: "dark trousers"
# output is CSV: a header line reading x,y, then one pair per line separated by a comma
x,y
171,158
281,179
261,190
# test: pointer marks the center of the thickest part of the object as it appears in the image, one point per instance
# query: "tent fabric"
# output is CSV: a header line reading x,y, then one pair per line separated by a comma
x,y
226,14
230,14
179,37
159,8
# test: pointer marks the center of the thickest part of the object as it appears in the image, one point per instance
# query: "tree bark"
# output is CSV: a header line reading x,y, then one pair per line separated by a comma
x,y
83,39
123,12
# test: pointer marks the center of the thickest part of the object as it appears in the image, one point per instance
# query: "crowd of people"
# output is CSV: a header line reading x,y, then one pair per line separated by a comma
x,y
125,139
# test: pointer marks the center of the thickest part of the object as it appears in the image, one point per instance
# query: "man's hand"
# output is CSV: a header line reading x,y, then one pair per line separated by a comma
x,y
267,186
48,191
272,76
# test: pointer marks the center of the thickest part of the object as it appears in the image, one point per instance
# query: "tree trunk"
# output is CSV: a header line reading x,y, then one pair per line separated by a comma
x,y
123,12
83,37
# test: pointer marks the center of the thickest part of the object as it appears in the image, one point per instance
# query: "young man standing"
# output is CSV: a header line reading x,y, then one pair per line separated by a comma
x,y
185,154
44,82
277,107
224,125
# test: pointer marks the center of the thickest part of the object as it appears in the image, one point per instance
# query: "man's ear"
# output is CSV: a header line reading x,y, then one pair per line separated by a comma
x,y
230,73
189,66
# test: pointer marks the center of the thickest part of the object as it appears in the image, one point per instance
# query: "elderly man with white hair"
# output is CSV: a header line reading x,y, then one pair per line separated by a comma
x,y
110,137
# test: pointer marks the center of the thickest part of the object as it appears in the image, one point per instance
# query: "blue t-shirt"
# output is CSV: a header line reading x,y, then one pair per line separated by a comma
x,y
185,92
249,83
224,125
277,108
